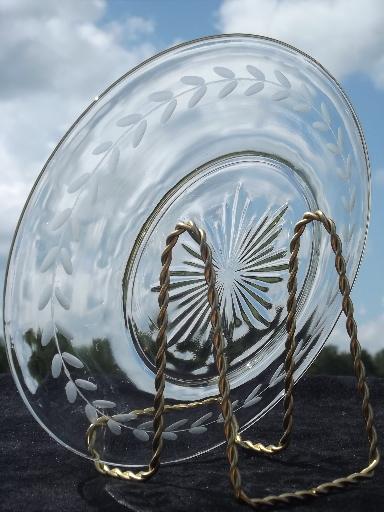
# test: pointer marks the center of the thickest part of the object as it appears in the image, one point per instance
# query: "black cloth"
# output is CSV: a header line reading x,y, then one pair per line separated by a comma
x,y
328,442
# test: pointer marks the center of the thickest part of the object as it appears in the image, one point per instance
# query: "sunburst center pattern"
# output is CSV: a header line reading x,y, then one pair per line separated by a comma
x,y
248,262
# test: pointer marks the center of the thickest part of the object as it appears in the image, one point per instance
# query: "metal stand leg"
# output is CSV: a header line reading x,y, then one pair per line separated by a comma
x,y
232,436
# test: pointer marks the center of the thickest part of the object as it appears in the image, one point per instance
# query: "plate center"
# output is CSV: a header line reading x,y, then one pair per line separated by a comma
x,y
247,204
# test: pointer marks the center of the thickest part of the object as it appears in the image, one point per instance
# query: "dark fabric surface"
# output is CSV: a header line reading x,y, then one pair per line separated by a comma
x,y
36,474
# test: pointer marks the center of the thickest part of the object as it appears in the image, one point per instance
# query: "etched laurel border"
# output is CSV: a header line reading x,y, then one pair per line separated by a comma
x,y
108,152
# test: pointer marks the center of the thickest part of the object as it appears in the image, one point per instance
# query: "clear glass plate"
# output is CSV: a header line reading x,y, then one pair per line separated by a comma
x,y
242,135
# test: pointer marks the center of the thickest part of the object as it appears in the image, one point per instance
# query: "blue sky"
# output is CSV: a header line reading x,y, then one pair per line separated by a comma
x,y
57,55
175,20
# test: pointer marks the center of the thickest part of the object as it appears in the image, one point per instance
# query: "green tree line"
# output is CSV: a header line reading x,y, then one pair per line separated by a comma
x,y
329,362
333,362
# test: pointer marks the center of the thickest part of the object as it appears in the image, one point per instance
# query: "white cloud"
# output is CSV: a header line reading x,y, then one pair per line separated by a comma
x,y
55,58
378,177
362,311
133,28
370,334
346,36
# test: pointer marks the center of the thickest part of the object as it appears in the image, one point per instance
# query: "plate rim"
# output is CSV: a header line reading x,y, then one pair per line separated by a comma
x,y
171,49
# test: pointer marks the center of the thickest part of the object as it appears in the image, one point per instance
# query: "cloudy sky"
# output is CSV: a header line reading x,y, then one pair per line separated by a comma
x,y
56,56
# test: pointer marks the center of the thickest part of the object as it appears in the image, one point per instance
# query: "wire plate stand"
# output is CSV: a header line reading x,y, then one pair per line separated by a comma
x,y
232,436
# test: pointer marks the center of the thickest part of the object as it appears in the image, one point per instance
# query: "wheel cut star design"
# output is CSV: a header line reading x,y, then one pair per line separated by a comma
x,y
247,264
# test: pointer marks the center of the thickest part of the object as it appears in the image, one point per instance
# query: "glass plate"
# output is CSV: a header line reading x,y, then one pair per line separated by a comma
x,y
241,134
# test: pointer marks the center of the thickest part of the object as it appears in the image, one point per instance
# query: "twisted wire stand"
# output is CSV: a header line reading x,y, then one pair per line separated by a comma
x,y
232,436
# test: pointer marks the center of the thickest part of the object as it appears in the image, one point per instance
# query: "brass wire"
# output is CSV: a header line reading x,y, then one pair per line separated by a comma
x,y
232,436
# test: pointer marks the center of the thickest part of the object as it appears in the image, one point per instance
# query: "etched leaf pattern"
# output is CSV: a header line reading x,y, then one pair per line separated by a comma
x,y
256,73
62,299
86,384
49,259
197,430
78,183
176,425
91,413
325,113
224,72
141,435
252,401
336,147
45,296
280,95
102,148
227,89
47,333
139,132
168,111
56,366
161,96
125,417
202,420
60,219
192,80
66,261
170,436
254,89
147,425
253,394
277,376
129,120
114,427
197,96
104,404
71,391
282,79
72,360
